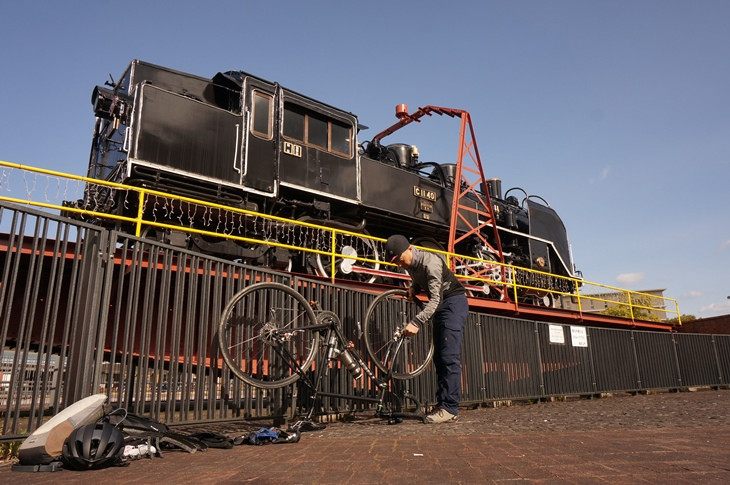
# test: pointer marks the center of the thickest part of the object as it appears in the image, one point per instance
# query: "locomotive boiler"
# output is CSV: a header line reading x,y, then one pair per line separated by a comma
x,y
239,140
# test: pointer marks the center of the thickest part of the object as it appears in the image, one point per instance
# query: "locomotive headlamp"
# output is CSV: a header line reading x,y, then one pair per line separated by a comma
x,y
106,103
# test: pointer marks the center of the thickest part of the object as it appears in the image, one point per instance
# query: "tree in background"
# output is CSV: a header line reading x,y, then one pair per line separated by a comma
x,y
685,318
623,310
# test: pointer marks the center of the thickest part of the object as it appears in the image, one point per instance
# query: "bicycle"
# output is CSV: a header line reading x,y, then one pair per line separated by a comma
x,y
270,335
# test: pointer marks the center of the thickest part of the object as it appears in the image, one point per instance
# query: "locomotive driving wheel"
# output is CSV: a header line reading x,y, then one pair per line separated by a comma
x,y
488,268
349,267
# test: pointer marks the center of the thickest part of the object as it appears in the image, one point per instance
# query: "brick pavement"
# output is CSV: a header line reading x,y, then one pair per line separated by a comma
x,y
662,437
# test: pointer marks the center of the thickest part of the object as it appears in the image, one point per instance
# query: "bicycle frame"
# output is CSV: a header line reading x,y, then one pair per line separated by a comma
x,y
335,343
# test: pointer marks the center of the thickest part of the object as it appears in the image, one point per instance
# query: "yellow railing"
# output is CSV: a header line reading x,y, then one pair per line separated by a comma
x,y
509,275
638,305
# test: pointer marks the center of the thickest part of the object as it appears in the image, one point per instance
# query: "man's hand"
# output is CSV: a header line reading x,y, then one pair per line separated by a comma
x,y
410,329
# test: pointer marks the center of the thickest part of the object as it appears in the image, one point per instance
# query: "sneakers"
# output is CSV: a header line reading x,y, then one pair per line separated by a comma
x,y
440,415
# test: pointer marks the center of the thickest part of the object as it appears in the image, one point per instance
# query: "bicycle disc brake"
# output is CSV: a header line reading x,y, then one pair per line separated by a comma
x,y
270,334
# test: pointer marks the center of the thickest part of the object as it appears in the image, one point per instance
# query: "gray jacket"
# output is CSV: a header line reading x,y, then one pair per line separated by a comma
x,y
428,271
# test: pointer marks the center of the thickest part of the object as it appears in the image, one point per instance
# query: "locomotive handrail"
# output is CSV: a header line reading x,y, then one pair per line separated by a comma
x,y
635,300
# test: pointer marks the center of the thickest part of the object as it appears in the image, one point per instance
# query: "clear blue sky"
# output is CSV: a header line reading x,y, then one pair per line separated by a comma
x,y
616,112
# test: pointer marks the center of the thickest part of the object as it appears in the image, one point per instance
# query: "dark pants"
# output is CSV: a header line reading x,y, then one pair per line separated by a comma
x,y
448,322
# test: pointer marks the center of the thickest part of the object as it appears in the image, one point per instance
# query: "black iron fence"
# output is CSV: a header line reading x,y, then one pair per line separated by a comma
x,y
85,310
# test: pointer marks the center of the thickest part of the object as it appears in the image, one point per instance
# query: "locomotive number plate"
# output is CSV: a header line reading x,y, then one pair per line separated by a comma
x,y
292,149
423,193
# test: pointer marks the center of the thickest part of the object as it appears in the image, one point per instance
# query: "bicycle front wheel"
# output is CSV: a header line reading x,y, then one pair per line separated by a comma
x,y
388,312
264,336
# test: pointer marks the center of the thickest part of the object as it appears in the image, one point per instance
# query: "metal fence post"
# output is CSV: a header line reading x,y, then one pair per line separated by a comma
x,y
84,354
720,376
636,360
539,358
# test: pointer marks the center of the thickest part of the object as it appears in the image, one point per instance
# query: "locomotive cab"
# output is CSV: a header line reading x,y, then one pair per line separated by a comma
x,y
226,139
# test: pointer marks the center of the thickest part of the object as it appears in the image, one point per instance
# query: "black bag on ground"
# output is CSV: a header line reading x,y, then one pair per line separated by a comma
x,y
135,425
143,430
214,440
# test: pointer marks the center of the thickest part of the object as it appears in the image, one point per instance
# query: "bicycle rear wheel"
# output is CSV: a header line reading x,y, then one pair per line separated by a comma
x,y
389,311
263,335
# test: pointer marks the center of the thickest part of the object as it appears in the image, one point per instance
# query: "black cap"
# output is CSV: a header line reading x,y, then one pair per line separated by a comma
x,y
395,246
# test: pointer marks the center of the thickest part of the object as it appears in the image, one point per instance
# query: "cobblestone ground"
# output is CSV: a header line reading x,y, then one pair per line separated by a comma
x,y
656,438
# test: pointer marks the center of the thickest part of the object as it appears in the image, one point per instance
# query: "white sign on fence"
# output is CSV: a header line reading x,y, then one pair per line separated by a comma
x,y
557,336
579,336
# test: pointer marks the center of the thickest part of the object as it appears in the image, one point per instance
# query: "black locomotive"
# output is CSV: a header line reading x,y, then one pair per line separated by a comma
x,y
242,141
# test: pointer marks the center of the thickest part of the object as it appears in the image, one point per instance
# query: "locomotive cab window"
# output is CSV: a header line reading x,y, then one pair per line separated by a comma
x,y
294,122
317,130
262,114
317,135
341,135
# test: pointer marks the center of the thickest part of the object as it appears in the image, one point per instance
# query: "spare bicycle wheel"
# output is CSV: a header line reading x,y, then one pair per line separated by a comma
x,y
388,312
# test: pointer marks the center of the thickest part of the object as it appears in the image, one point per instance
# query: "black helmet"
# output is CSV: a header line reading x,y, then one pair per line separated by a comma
x,y
95,445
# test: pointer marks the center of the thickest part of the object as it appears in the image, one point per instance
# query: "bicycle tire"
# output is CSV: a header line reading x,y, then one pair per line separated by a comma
x,y
388,311
250,335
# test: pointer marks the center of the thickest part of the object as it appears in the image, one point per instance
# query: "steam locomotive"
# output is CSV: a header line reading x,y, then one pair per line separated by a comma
x,y
242,141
